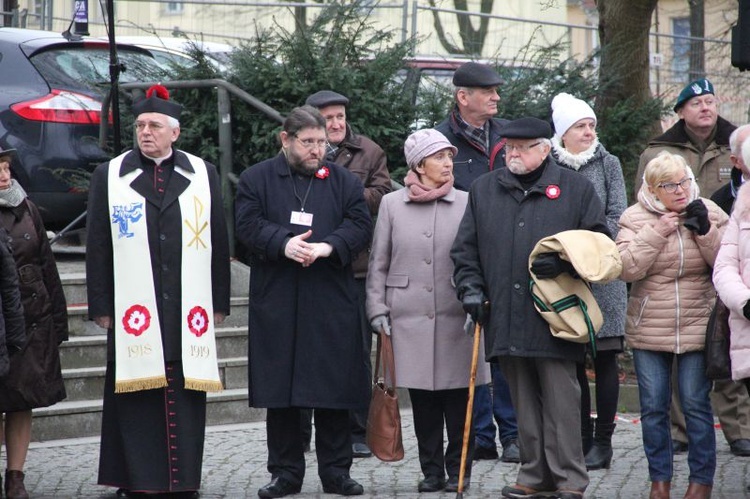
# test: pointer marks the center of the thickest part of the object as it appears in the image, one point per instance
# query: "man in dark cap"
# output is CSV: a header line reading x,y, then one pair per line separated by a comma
x,y
473,130
702,138
367,161
536,198
471,126
157,264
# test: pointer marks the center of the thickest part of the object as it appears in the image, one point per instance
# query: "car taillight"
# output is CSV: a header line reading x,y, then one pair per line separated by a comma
x,y
61,106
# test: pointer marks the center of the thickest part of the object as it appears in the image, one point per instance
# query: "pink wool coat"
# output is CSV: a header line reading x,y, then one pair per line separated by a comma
x,y
732,281
410,280
671,296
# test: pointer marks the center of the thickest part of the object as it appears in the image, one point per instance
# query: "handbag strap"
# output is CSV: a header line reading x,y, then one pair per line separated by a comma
x,y
385,355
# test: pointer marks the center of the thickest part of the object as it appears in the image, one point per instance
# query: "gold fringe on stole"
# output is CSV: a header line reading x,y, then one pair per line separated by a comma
x,y
203,385
136,385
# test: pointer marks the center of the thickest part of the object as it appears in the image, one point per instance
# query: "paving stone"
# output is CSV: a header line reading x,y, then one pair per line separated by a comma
x,y
234,466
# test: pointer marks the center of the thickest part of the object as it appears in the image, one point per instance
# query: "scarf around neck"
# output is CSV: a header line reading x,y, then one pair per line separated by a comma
x,y
574,161
13,195
420,193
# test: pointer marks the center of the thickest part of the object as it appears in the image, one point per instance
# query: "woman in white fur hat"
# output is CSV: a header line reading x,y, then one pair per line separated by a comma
x,y
575,146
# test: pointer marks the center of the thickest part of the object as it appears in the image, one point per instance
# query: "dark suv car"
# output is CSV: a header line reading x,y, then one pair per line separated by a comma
x,y
50,103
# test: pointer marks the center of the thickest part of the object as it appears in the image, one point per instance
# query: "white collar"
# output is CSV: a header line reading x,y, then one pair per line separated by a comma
x,y
575,161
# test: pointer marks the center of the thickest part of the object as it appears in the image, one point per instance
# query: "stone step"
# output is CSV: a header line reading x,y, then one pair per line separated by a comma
x,y
74,288
79,324
91,351
87,383
82,418
73,277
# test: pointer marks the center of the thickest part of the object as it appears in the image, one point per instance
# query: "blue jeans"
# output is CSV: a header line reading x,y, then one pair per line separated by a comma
x,y
654,389
498,403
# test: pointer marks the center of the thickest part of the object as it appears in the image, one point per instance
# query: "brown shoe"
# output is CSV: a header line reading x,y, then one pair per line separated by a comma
x,y
14,488
659,490
698,491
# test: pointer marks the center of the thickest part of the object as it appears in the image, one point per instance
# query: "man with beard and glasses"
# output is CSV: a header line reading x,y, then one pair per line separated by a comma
x,y
537,198
304,221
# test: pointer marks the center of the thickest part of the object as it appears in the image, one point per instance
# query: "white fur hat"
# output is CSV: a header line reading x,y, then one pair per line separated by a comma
x,y
567,110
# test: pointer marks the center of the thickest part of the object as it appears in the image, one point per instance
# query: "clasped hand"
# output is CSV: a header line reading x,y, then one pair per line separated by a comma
x,y
299,250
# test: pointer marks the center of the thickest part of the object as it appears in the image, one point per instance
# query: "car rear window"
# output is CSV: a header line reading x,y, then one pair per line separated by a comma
x,y
85,68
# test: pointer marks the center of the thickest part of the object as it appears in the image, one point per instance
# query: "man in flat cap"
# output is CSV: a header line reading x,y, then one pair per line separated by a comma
x,y
471,126
473,130
537,198
157,263
367,161
702,138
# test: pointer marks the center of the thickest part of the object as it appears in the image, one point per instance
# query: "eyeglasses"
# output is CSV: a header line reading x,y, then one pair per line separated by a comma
x,y
312,143
521,149
671,187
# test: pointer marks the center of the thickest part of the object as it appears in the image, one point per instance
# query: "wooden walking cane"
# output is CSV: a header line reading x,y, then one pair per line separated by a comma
x,y
469,410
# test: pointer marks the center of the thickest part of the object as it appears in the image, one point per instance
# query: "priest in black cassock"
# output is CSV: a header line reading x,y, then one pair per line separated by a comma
x,y
157,266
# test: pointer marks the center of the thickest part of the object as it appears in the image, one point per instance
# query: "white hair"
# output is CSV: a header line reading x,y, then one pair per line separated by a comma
x,y
734,138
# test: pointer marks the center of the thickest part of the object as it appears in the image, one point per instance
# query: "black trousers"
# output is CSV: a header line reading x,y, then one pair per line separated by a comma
x,y
433,411
333,443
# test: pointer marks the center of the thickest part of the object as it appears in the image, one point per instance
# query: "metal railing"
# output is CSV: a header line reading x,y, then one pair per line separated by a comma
x,y
225,90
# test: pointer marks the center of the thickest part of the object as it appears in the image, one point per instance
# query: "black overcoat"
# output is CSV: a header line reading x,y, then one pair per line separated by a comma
x,y
35,378
164,224
501,225
305,343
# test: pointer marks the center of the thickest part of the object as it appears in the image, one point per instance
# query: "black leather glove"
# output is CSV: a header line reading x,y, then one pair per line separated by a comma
x,y
746,310
697,218
550,265
476,305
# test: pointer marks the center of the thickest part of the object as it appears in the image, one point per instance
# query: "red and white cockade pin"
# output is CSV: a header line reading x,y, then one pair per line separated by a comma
x,y
553,192
322,172
136,320
197,321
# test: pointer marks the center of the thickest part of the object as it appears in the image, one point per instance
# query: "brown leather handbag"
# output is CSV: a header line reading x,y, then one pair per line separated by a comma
x,y
384,419
718,362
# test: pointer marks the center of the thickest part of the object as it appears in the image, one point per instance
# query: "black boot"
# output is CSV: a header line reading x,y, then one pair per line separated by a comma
x,y
600,455
587,433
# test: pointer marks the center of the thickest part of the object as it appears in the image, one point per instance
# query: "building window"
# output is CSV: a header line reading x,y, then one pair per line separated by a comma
x,y
680,49
175,8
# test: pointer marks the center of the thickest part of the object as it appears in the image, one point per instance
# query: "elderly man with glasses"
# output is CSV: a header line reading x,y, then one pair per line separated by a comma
x,y
702,138
508,212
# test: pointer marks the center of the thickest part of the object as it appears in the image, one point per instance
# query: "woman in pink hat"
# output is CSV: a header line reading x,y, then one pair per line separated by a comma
x,y
410,295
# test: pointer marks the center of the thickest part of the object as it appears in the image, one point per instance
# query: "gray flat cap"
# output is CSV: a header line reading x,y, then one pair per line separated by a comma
x,y
474,74
326,98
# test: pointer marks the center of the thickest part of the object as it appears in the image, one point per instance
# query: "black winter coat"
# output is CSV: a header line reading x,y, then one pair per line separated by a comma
x,y
164,225
470,162
35,378
305,347
501,225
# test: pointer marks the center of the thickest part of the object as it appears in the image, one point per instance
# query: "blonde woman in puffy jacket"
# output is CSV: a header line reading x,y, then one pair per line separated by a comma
x,y
668,242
